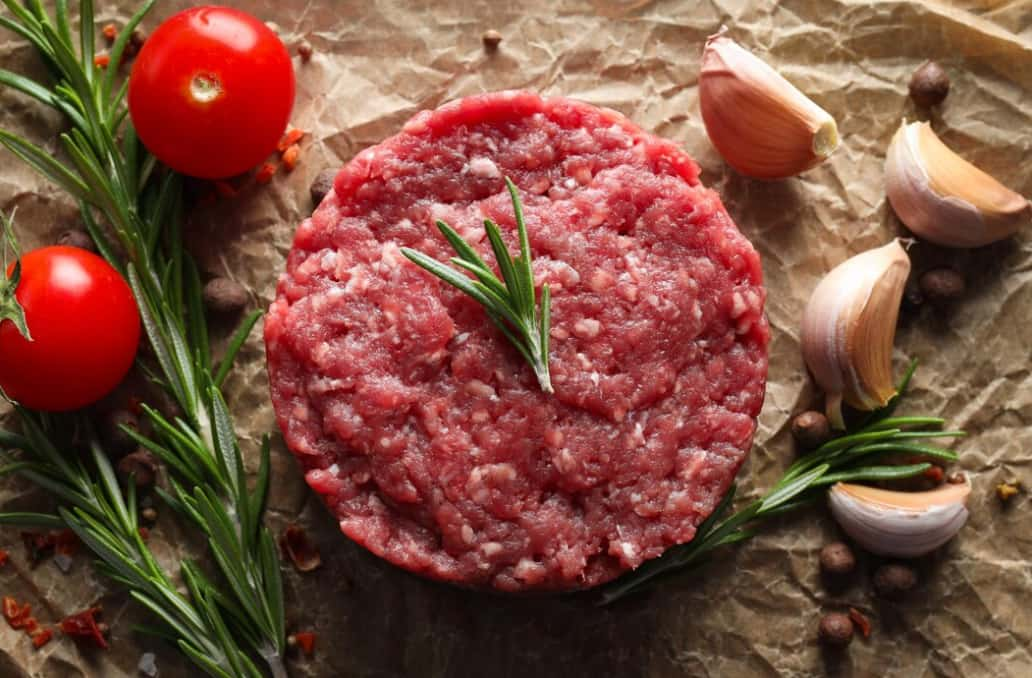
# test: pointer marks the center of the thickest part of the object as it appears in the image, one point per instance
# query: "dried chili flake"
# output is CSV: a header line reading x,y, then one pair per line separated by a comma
x,y
14,613
291,156
84,625
295,545
66,542
38,546
291,137
144,533
30,625
41,638
265,173
861,621
934,473
225,189
306,641
3,557
102,61
110,32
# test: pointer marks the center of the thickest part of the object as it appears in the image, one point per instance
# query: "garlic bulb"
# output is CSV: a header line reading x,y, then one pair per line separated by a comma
x,y
899,524
760,123
944,198
848,328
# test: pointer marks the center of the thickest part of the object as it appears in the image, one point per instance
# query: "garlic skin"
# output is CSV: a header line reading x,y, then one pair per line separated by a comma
x,y
944,198
759,122
848,329
899,524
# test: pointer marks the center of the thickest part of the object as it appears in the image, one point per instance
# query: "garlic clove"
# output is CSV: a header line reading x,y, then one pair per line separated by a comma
x,y
899,524
944,198
848,329
760,123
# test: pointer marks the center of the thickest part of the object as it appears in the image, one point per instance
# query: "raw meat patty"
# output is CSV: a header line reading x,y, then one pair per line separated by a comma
x,y
425,431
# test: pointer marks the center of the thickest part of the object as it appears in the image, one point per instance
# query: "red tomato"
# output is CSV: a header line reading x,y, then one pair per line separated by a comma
x,y
85,328
211,92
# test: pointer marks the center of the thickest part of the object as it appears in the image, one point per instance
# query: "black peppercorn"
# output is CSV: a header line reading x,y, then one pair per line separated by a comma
x,y
811,429
835,630
929,85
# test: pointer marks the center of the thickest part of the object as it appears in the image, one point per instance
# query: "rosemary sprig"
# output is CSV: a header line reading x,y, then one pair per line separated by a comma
x,y
509,302
113,176
849,458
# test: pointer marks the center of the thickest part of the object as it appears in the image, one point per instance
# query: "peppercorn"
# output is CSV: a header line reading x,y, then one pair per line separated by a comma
x,y
140,464
837,559
892,580
225,296
149,514
304,50
292,642
116,439
136,40
835,630
929,85
77,238
322,185
811,429
942,285
492,39
956,478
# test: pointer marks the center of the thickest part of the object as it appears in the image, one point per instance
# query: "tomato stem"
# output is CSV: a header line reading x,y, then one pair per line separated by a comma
x,y
10,309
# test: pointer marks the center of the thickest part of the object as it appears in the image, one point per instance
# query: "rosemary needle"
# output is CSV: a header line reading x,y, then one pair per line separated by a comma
x,y
509,302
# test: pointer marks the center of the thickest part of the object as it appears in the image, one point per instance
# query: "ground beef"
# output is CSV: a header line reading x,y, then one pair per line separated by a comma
x,y
425,431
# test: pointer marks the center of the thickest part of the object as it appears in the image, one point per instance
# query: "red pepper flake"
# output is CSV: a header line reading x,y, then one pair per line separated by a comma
x,y
41,638
102,61
295,545
38,546
291,137
225,189
861,621
306,641
84,625
266,172
934,473
291,157
30,625
110,32
144,533
66,542
3,557
14,613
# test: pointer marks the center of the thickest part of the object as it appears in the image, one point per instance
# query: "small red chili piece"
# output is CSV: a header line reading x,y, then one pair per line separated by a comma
x,y
41,638
84,625
144,533
861,621
934,473
66,542
38,546
295,545
291,156
265,173
102,61
110,32
306,641
14,613
291,137
3,557
30,625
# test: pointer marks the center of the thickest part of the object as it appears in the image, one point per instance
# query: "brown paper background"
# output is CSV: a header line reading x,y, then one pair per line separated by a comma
x,y
754,612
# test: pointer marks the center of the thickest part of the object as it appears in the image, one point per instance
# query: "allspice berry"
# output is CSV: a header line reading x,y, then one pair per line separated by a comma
x,y
116,440
77,238
322,185
142,465
835,630
492,39
811,429
225,296
892,580
837,559
929,85
942,285
150,514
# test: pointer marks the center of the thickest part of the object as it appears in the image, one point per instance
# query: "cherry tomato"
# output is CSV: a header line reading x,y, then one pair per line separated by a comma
x,y
85,329
211,92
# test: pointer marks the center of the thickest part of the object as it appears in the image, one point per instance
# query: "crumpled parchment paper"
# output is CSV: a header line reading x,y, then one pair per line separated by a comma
x,y
754,611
